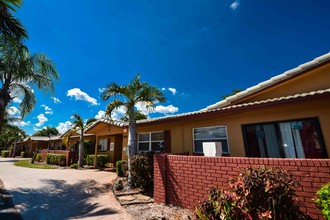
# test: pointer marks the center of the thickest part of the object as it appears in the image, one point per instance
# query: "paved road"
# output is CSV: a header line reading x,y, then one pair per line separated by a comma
x,y
61,193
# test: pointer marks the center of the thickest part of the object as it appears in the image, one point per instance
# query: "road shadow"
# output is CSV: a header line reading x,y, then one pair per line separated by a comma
x,y
60,200
7,207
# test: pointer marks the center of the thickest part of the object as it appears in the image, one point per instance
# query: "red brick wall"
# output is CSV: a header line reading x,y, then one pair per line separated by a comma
x,y
185,180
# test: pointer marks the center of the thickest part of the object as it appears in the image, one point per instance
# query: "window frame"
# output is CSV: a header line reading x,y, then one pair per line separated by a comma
x,y
106,144
149,141
278,136
227,139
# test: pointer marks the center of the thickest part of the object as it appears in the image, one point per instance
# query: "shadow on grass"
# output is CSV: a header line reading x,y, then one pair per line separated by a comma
x,y
60,200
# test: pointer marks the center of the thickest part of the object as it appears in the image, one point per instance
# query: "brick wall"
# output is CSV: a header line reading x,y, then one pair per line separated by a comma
x,y
185,180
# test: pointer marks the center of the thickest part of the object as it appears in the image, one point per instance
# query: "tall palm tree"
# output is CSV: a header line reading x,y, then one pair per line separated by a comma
x,y
19,71
9,25
79,124
130,95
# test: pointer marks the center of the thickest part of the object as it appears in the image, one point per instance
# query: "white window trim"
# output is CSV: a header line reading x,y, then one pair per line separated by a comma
x,y
193,135
149,141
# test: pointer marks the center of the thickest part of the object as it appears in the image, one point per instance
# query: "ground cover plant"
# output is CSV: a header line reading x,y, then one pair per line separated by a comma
x,y
26,163
257,193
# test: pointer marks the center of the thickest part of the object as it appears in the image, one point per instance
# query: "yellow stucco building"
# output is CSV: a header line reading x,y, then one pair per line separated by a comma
x,y
287,116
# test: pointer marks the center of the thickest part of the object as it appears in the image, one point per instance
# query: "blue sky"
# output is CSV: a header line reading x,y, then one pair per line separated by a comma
x,y
196,50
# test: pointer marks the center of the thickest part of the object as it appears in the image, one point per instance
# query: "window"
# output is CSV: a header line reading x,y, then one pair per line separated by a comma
x,y
210,134
150,141
103,143
287,139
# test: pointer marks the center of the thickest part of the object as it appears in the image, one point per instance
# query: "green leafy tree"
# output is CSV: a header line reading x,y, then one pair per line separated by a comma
x,y
19,71
138,116
128,96
232,93
47,131
79,125
9,25
10,135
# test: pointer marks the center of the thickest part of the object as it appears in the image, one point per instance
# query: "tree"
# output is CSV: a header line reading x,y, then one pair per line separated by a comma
x,y
9,25
19,71
233,92
138,116
47,131
10,135
130,95
78,124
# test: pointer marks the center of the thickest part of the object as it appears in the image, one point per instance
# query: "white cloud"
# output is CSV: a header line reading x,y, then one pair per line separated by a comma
x,y
118,113
170,109
13,111
21,123
17,100
172,90
48,110
234,5
163,89
100,115
64,126
101,89
56,100
42,119
80,95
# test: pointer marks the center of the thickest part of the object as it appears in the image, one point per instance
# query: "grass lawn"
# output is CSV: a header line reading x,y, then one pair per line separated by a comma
x,y
26,163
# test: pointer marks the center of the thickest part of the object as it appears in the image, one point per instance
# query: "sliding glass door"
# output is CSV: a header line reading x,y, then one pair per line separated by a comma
x,y
288,139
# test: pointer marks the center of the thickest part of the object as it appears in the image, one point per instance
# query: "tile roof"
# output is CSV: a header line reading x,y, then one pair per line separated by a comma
x,y
241,106
107,121
281,77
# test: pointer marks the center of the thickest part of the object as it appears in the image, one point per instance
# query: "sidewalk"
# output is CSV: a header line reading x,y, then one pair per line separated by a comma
x,y
61,193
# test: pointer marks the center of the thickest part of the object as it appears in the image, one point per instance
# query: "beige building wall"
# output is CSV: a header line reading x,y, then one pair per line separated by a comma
x,y
182,132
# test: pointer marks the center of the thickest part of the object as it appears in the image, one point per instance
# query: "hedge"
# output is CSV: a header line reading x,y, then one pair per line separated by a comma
x,y
24,154
58,159
5,153
101,160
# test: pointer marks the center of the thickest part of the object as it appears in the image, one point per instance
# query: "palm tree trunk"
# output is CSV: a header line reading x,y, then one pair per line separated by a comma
x,y
15,146
4,101
132,147
81,149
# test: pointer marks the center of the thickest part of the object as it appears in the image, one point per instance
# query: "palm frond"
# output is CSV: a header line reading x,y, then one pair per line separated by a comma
x,y
29,99
67,136
112,106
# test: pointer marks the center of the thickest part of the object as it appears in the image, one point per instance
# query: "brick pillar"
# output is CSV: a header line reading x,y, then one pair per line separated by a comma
x,y
160,178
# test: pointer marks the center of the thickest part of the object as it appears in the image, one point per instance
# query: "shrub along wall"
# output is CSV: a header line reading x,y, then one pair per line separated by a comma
x,y
71,156
185,180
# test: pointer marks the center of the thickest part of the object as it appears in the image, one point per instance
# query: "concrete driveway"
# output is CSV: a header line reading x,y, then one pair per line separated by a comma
x,y
61,193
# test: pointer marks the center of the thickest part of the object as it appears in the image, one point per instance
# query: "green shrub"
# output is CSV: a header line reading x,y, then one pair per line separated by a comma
x,y
101,160
256,193
5,153
74,166
121,167
24,154
38,157
142,170
58,159
323,200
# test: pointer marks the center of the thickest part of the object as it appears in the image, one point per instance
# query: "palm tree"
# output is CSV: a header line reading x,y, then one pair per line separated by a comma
x,y
78,124
19,70
131,94
138,116
9,25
